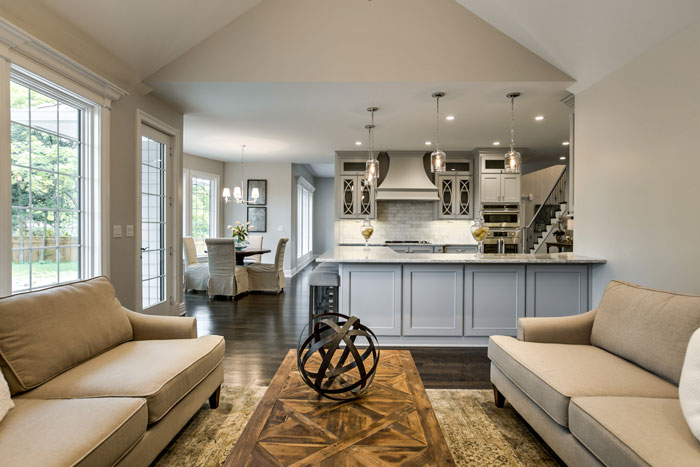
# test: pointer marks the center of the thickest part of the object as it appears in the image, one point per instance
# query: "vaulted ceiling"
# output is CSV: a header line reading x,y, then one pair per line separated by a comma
x,y
292,78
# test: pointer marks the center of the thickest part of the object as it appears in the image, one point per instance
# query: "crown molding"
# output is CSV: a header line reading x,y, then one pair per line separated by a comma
x,y
17,41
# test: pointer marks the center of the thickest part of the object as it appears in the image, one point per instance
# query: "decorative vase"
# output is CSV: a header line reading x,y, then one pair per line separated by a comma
x,y
479,232
240,244
366,229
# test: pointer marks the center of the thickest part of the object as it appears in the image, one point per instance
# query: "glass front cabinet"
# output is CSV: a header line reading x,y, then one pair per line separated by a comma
x,y
356,198
456,200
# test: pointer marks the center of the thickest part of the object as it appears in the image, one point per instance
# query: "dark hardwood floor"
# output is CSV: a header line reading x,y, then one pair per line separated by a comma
x,y
260,329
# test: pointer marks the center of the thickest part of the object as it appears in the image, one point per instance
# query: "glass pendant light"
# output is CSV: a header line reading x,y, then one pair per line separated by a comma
x,y
438,157
513,158
372,164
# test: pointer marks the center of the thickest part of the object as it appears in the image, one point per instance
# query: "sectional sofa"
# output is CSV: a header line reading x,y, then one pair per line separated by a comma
x,y
602,387
95,384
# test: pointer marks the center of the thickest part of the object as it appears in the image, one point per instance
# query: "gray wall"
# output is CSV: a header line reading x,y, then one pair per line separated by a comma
x,y
279,214
637,189
324,214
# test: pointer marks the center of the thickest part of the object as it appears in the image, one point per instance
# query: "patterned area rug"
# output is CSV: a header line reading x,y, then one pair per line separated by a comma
x,y
477,433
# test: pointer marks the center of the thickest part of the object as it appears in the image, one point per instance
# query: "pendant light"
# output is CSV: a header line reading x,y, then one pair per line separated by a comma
x,y
372,164
513,158
238,190
437,158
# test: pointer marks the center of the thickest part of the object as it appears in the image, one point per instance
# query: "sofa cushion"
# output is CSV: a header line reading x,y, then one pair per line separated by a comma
x,y
162,372
634,431
46,332
551,374
84,432
648,327
689,388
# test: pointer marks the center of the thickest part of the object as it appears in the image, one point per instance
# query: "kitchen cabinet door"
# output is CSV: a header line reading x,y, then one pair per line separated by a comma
x,y
372,292
494,299
560,290
491,188
422,249
365,201
347,196
432,300
446,189
463,205
510,188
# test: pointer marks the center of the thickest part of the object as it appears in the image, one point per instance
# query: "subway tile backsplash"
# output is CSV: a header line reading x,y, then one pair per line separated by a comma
x,y
408,220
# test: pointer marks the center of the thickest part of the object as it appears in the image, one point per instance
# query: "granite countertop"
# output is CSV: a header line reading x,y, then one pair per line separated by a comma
x,y
408,244
381,254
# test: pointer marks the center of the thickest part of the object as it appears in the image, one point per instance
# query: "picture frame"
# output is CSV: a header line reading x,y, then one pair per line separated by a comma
x,y
261,185
257,216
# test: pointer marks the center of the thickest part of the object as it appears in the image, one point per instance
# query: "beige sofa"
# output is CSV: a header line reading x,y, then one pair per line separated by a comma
x,y
602,387
95,384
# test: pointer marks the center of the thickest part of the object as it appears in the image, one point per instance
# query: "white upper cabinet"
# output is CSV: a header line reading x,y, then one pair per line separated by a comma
x,y
490,188
510,188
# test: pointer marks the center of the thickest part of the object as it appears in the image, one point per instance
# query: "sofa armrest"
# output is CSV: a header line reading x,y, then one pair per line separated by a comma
x,y
574,329
150,327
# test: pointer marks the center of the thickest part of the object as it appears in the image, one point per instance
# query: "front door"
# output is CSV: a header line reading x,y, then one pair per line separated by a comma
x,y
156,253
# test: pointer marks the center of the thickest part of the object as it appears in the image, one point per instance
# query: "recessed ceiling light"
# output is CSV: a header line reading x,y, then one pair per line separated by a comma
x,y
563,158
450,117
358,143
539,118
428,143
565,143
496,143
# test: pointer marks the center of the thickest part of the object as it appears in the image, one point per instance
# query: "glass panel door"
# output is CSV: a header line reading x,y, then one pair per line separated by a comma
x,y
155,239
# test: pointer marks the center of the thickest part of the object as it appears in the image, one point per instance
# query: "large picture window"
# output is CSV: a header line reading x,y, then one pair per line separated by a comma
x,y
48,187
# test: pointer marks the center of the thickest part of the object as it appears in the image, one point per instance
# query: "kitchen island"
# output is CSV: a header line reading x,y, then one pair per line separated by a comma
x,y
456,299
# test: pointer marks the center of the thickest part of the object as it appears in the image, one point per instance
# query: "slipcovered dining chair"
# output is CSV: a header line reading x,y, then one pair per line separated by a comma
x,y
269,277
254,243
196,273
224,277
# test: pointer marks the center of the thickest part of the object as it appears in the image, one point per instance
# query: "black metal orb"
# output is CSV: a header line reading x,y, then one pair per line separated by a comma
x,y
329,360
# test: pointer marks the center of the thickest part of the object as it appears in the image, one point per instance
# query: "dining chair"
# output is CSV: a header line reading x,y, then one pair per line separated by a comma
x,y
269,277
255,242
196,273
224,277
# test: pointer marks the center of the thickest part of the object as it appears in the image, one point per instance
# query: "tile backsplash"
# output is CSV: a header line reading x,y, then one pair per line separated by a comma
x,y
408,220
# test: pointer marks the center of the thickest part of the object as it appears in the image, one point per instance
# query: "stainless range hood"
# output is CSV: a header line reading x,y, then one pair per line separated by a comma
x,y
406,179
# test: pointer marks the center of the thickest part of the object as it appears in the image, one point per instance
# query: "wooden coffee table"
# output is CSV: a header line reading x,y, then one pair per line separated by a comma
x,y
392,424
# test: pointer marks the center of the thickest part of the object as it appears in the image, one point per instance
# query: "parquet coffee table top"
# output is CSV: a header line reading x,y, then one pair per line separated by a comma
x,y
392,424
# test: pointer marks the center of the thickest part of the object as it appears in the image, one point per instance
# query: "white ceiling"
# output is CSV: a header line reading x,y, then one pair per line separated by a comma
x,y
148,34
307,122
587,39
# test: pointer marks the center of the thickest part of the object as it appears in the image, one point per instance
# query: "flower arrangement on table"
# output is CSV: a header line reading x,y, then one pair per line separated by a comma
x,y
240,232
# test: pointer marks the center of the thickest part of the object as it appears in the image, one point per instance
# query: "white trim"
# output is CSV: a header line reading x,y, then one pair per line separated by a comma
x,y
176,274
26,50
305,183
5,188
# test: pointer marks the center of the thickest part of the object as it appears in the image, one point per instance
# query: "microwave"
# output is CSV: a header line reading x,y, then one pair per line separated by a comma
x,y
502,215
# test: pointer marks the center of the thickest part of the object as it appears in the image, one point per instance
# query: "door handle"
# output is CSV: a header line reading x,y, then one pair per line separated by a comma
x,y
144,249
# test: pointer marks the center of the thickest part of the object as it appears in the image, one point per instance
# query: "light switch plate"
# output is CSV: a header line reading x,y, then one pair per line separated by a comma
x,y
280,228
129,230
117,231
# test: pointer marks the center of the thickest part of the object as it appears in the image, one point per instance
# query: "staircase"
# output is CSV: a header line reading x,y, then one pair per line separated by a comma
x,y
545,221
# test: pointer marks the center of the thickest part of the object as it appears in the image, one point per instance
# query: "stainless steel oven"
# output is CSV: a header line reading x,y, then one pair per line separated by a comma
x,y
503,241
502,215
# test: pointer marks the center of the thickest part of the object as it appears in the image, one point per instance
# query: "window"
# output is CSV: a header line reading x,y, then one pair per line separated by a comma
x,y
50,190
200,207
305,199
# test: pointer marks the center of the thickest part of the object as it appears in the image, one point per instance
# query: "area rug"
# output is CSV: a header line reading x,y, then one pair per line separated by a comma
x,y
477,433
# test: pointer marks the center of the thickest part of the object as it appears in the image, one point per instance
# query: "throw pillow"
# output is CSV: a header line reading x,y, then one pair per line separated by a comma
x,y
5,398
689,387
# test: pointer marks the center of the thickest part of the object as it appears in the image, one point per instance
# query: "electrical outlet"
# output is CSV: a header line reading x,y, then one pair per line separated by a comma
x,y
117,231
129,230
280,228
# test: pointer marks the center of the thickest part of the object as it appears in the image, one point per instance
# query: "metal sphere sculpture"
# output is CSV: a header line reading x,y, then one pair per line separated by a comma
x,y
332,370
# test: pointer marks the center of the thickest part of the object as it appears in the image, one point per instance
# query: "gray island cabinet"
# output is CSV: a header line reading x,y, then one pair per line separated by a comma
x,y
456,299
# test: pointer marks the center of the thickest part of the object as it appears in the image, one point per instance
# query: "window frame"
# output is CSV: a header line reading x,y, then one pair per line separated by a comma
x,y
90,180
304,218
188,175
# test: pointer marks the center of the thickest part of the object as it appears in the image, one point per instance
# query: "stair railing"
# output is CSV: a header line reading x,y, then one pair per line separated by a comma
x,y
543,217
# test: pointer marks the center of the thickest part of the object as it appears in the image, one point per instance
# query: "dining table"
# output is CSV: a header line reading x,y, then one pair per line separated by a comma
x,y
242,254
